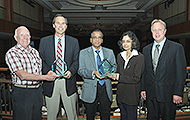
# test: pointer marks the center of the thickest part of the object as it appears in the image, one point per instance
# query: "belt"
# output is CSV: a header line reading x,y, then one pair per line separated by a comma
x,y
27,86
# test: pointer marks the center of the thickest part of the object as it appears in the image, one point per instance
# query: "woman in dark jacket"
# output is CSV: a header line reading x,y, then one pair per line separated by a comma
x,y
129,70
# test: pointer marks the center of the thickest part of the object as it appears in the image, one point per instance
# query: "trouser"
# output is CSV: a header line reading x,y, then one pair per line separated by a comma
x,y
104,103
53,102
157,110
128,112
27,103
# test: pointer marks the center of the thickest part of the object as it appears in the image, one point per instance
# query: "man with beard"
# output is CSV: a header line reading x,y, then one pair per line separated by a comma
x,y
66,48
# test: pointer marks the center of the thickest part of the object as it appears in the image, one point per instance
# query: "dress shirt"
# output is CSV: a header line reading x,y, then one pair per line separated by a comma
x,y
19,58
160,47
62,43
95,55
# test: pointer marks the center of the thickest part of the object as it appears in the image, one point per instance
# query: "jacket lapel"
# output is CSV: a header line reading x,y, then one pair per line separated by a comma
x,y
66,49
164,50
91,57
150,56
163,53
53,50
104,53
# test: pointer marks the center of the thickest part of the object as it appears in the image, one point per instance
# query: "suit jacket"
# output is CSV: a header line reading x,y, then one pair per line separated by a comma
x,y
129,83
87,65
71,57
169,78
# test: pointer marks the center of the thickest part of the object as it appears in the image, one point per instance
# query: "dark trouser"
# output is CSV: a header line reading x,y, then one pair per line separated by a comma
x,y
165,110
105,104
27,103
128,112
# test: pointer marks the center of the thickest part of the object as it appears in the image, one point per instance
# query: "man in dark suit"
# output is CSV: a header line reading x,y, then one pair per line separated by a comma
x,y
95,88
164,75
65,47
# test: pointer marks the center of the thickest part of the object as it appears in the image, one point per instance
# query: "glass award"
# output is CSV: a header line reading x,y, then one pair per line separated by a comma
x,y
59,67
105,68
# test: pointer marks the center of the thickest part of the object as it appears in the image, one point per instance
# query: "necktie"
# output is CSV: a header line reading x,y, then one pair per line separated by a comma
x,y
59,58
101,67
156,56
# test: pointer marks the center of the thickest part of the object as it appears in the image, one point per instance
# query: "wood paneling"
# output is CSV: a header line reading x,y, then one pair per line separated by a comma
x,y
179,28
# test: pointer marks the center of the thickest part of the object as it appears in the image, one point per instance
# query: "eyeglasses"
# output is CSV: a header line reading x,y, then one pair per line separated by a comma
x,y
97,38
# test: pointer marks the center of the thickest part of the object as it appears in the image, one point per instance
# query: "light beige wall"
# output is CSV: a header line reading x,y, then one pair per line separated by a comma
x,y
23,9
174,14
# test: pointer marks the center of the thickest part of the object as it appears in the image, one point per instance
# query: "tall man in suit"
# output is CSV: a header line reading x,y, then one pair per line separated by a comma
x,y
164,75
64,87
95,88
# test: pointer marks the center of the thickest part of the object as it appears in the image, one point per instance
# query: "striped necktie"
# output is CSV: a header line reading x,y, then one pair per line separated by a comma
x,y
59,64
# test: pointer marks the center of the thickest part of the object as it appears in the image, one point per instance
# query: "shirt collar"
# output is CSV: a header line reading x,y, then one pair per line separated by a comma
x,y
161,43
24,49
62,38
94,49
134,53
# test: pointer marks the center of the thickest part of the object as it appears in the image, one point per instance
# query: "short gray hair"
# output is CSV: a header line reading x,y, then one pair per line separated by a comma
x,y
96,30
18,28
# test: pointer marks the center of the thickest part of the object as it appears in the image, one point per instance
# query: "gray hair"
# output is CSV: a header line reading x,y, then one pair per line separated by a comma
x,y
160,21
20,27
60,15
96,30
133,37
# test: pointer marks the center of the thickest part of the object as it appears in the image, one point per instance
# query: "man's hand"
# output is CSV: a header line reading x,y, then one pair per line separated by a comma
x,y
143,94
97,74
177,99
51,76
67,74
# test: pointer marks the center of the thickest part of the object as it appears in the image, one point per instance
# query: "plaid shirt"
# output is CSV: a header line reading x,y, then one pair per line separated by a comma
x,y
18,58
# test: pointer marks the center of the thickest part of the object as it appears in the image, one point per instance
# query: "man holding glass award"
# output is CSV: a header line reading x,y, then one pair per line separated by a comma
x,y
59,53
95,65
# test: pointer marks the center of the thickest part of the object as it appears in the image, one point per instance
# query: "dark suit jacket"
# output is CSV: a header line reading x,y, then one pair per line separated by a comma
x,y
169,78
71,57
129,83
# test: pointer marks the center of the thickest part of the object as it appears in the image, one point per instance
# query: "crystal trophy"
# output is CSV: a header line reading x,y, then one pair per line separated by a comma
x,y
105,68
59,67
